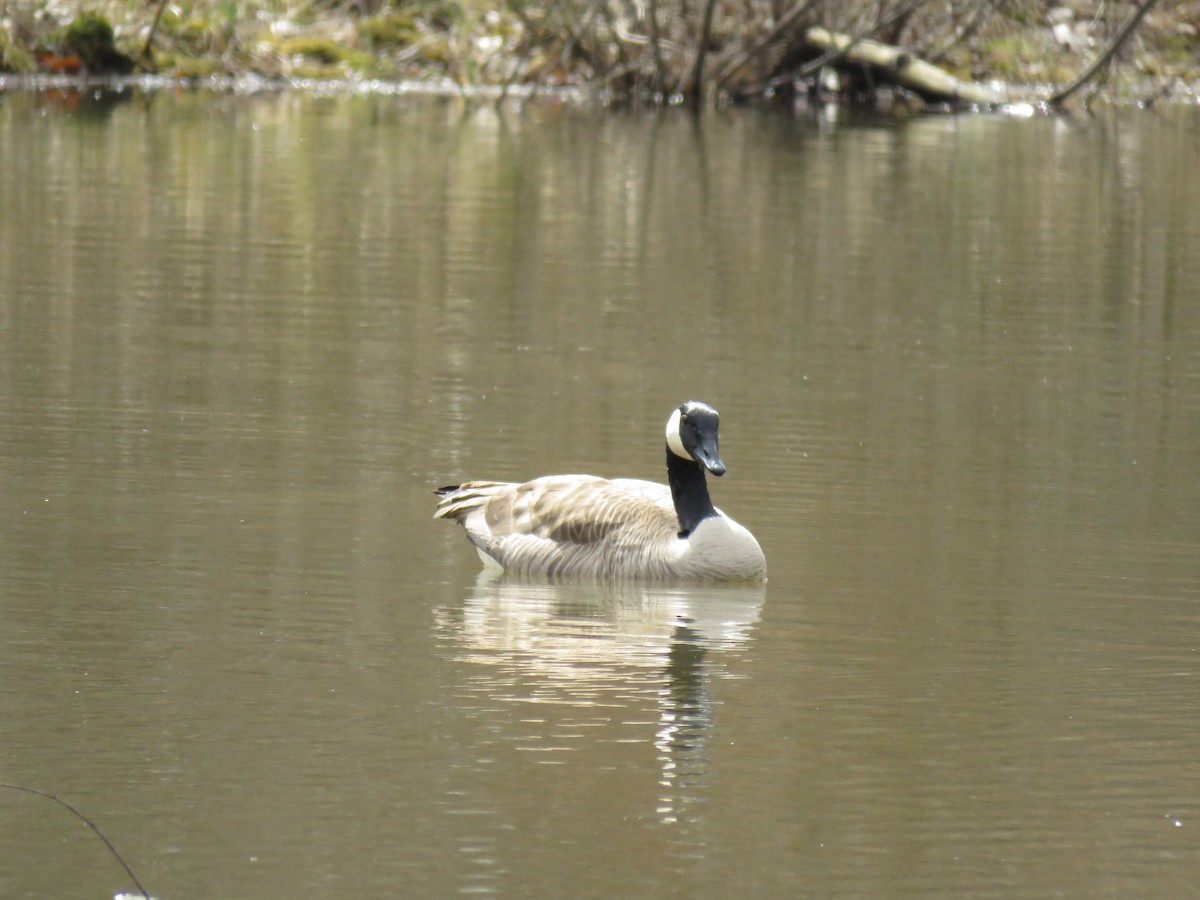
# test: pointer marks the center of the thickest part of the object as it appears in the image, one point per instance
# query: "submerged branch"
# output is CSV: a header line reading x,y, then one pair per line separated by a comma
x,y
90,824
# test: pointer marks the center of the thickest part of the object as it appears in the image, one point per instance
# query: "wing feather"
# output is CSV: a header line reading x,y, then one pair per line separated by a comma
x,y
564,524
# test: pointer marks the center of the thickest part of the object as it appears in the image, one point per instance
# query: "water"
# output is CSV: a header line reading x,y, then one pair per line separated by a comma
x,y
241,340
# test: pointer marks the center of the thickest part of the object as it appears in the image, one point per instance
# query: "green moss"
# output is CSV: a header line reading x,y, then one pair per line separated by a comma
x,y
188,66
228,15
14,57
321,57
186,33
320,50
1025,13
304,72
360,62
1176,48
89,31
442,14
90,37
1011,56
436,50
388,30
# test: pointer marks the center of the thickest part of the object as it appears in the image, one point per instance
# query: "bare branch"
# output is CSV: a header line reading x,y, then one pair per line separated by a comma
x,y
153,29
785,23
977,19
90,824
1103,59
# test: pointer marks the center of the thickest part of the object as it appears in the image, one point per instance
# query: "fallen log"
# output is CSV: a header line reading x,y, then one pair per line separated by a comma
x,y
903,68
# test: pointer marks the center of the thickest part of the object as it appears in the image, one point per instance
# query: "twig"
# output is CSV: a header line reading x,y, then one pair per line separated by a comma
x,y
625,36
979,17
153,29
1102,60
517,68
786,21
90,824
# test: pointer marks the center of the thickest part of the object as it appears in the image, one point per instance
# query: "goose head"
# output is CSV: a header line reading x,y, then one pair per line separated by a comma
x,y
692,434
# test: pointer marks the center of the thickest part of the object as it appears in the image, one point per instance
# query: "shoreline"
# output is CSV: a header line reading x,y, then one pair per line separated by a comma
x,y
1022,100
448,47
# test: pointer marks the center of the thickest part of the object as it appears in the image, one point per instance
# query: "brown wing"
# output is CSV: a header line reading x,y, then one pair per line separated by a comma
x,y
577,509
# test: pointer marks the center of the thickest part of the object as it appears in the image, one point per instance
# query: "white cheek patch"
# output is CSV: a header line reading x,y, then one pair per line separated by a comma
x,y
674,441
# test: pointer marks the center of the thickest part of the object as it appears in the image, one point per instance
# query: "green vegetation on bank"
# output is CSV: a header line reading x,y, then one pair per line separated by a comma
x,y
659,49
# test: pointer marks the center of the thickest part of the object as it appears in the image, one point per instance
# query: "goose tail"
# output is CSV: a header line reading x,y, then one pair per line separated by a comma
x,y
459,500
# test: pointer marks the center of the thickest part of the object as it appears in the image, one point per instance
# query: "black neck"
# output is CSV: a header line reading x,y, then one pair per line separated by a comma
x,y
689,491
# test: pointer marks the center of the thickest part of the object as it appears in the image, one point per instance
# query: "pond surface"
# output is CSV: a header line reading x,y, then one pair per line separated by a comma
x,y
958,365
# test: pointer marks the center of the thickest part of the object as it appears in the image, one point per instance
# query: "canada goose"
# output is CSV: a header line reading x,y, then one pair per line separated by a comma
x,y
587,527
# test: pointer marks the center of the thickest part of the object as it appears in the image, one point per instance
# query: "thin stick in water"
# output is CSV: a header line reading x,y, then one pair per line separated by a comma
x,y
90,824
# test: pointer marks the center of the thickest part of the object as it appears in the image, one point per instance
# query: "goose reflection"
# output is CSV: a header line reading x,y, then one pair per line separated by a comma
x,y
586,667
